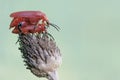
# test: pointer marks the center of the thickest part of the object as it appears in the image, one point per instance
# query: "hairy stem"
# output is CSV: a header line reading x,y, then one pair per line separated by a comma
x,y
41,55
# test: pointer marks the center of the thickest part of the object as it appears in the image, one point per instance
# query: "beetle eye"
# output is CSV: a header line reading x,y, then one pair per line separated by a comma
x,y
20,24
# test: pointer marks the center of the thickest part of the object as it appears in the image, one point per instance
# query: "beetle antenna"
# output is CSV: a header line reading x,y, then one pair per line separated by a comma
x,y
55,26
19,29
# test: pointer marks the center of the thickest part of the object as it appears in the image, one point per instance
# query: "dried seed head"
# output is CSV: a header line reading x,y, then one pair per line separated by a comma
x,y
41,55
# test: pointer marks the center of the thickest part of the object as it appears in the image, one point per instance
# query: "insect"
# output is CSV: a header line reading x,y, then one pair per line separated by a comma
x,y
29,28
30,22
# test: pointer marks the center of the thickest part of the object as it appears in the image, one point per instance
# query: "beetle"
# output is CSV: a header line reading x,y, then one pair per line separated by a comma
x,y
29,28
31,17
29,22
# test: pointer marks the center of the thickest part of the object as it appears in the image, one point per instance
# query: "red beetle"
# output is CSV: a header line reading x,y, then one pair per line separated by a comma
x,y
29,29
29,22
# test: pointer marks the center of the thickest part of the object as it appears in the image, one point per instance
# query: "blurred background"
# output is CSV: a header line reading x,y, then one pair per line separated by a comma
x,y
89,38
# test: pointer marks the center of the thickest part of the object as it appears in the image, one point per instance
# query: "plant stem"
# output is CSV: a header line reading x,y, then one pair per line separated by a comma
x,y
41,55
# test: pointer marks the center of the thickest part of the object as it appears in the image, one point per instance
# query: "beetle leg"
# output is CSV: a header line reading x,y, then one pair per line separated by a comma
x,y
17,41
46,34
50,36
35,27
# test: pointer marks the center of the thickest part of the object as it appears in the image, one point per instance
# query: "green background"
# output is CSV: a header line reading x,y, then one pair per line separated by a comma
x,y
89,38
